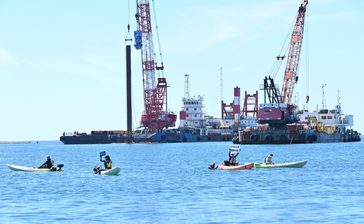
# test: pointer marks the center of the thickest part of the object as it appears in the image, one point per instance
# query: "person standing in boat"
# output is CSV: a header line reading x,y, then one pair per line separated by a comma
x,y
268,159
48,164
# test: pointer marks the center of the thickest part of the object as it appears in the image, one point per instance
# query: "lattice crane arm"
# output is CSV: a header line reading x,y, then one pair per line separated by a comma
x,y
155,115
290,73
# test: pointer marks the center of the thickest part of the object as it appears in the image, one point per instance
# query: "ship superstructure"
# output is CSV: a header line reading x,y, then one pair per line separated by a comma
x,y
192,113
328,121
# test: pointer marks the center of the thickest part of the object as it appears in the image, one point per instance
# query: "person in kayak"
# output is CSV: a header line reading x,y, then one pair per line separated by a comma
x,y
48,163
268,159
107,162
232,158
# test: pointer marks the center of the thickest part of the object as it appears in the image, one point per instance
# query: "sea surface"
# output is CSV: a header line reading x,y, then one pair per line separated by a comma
x,y
170,183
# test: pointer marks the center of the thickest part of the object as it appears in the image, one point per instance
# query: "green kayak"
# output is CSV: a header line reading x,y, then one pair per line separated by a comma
x,y
298,164
113,171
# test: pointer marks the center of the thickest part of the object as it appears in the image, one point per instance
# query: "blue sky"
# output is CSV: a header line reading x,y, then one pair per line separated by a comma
x,y
62,63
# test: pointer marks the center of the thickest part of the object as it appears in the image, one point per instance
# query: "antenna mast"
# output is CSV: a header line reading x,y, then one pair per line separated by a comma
x,y
187,86
323,96
221,86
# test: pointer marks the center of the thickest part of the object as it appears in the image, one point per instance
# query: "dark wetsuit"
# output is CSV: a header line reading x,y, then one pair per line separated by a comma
x,y
47,164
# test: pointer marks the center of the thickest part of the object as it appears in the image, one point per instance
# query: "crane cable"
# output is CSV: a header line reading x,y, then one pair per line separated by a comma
x,y
128,12
137,13
160,74
279,58
128,36
307,34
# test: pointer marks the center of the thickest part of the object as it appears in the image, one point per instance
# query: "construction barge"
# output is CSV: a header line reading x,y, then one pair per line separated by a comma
x,y
322,126
177,135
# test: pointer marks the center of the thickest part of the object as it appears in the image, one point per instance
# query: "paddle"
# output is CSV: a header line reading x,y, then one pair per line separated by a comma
x,y
97,169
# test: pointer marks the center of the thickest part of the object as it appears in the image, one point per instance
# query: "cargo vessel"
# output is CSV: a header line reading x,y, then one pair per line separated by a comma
x,y
322,126
298,135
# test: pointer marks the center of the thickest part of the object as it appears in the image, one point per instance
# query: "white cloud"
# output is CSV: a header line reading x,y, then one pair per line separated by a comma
x,y
225,23
7,58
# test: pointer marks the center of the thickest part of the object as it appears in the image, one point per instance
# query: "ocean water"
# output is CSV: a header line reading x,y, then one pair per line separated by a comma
x,y
170,183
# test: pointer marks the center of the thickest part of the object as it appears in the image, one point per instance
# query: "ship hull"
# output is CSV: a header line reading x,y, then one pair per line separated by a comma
x,y
188,137
160,137
92,139
297,137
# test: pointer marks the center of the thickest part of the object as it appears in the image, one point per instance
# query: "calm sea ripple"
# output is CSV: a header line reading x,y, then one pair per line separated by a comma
x,y
170,183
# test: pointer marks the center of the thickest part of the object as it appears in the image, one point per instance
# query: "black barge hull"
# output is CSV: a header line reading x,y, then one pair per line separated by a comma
x,y
296,137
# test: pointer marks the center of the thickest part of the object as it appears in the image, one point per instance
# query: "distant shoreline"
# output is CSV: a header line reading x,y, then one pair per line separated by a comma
x,y
18,142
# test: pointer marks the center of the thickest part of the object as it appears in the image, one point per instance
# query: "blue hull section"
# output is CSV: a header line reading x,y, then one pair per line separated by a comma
x,y
188,137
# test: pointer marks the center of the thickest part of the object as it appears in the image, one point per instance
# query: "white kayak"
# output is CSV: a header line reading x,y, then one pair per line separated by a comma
x,y
113,171
33,169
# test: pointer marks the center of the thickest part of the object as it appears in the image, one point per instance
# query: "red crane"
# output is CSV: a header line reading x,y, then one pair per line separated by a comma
x,y
155,116
280,110
290,74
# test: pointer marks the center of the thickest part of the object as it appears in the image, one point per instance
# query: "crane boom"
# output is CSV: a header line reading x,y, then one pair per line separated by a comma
x,y
280,111
290,74
146,46
154,116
